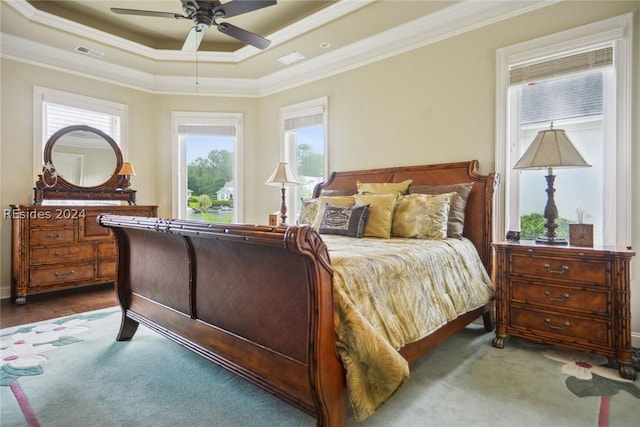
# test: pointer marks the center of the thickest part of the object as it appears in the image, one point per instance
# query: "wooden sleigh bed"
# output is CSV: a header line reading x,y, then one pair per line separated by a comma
x,y
259,300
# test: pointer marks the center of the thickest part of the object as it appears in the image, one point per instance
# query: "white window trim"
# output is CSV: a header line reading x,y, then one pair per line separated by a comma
x,y
306,108
617,30
42,94
178,165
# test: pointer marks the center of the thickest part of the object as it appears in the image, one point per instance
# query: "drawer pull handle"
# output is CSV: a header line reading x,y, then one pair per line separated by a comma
x,y
53,236
563,298
563,269
64,275
59,255
565,325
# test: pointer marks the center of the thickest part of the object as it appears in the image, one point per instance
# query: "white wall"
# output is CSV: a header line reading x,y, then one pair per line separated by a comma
x,y
430,105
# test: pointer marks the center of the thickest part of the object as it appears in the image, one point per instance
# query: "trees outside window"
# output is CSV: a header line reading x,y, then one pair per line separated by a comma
x,y
579,80
304,147
208,149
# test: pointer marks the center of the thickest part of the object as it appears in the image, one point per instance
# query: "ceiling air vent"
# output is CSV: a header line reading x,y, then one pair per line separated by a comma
x,y
291,58
90,52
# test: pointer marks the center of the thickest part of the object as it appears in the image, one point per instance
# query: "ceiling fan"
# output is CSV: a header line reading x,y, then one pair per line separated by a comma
x,y
205,13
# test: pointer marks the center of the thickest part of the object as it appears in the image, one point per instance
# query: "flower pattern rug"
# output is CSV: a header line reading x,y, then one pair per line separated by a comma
x,y
71,371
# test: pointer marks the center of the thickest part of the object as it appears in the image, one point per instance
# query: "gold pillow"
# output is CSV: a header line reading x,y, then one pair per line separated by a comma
x,y
345,201
397,188
422,216
381,208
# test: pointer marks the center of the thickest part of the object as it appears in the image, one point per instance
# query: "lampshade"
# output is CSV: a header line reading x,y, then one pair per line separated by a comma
x,y
283,175
126,169
551,148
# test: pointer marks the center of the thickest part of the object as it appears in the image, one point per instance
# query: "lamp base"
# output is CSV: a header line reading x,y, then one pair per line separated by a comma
x,y
551,241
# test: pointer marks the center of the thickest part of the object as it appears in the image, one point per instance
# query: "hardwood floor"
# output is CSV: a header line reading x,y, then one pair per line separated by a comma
x,y
56,304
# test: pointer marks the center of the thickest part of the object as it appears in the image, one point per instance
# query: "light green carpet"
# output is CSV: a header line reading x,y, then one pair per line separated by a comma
x,y
76,374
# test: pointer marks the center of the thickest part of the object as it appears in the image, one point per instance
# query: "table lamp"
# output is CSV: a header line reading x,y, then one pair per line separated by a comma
x,y
550,149
283,176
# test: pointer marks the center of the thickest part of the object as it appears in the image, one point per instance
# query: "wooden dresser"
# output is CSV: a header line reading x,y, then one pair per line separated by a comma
x,y
63,246
576,297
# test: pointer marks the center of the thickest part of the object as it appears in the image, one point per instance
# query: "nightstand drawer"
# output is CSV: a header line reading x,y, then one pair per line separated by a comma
x,y
584,271
558,297
562,327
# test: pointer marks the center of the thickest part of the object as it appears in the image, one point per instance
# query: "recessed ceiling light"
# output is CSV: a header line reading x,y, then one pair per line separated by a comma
x,y
290,58
88,51
325,45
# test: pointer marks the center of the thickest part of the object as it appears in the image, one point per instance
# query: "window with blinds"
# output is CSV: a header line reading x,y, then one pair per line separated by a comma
x,y
58,116
55,109
304,146
579,81
208,161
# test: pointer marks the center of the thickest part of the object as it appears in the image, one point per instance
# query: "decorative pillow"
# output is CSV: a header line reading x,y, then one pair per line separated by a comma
x,y
333,193
397,188
345,221
308,211
422,216
455,226
344,201
380,213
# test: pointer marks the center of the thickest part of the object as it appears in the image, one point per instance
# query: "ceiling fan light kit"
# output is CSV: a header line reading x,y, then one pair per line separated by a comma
x,y
205,13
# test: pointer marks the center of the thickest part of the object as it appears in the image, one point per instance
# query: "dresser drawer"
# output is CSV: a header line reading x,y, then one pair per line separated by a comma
x,y
562,327
559,297
107,270
106,250
575,270
47,236
52,217
44,276
59,254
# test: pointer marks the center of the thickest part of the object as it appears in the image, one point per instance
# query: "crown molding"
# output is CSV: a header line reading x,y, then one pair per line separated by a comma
x,y
328,14
27,51
453,20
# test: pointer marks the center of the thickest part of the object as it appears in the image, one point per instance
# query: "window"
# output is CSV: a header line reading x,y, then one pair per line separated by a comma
x,y
54,110
304,147
579,80
208,150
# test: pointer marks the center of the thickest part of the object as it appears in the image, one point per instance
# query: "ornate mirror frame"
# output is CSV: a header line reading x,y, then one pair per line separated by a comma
x,y
52,186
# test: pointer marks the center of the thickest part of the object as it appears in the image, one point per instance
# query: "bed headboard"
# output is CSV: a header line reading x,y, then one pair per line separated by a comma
x,y
479,209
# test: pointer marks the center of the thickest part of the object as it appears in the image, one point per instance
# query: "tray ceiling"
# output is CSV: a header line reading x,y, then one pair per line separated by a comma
x,y
145,52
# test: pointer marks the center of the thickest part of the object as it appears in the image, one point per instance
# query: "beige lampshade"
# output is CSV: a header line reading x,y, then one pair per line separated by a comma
x,y
126,169
551,148
283,175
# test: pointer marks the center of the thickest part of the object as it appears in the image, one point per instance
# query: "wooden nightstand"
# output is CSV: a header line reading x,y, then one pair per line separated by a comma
x,y
575,297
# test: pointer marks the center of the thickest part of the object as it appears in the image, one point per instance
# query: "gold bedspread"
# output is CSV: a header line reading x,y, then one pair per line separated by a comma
x,y
390,292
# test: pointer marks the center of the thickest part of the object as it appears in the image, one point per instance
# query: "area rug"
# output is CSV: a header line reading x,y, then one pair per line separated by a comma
x,y
72,372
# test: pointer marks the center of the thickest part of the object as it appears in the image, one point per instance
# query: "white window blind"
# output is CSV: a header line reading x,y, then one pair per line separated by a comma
x,y
58,116
559,65
207,130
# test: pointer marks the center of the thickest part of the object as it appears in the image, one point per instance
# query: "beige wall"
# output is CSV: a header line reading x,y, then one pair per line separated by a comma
x,y
430,105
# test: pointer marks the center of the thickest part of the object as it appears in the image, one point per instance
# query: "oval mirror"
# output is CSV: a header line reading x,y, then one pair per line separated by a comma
x,y
84,159
83,156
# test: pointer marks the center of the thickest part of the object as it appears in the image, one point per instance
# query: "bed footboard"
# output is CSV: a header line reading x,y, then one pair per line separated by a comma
x,y
255,300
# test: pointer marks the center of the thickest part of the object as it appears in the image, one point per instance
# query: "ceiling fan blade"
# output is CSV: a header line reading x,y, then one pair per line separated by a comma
x,y
244,35
148,13
193,40
238,7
